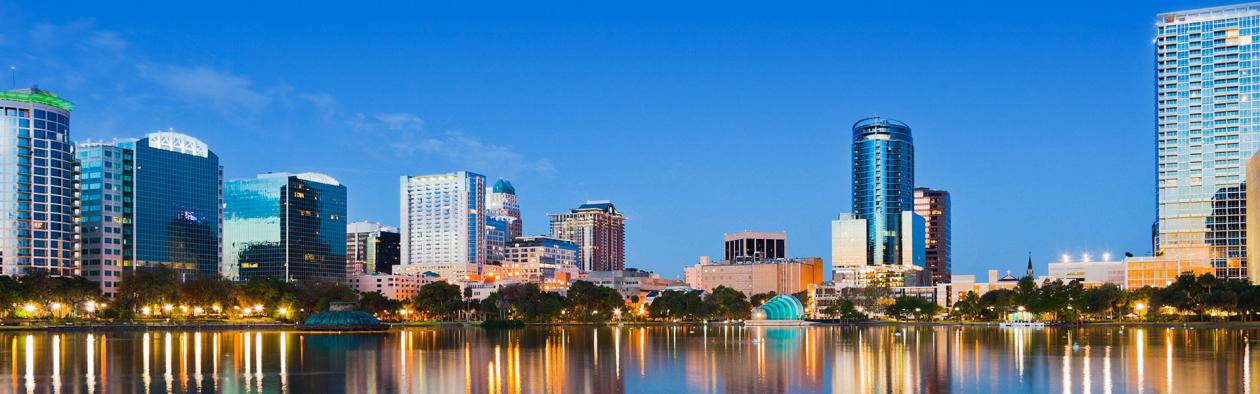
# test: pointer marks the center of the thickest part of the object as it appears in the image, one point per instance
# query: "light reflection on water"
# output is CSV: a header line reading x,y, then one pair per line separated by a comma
x,y
634,359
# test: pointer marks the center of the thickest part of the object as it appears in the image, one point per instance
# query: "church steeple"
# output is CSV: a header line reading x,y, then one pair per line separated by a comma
x,y
1030,269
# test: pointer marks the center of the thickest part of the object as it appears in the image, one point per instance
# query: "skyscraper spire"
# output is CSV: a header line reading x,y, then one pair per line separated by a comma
x,y
1030,269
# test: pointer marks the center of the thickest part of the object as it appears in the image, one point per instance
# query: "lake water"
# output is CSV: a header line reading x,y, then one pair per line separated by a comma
x,y
609,360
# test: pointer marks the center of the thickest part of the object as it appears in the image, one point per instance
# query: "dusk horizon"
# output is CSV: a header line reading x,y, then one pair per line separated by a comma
x,y
739,122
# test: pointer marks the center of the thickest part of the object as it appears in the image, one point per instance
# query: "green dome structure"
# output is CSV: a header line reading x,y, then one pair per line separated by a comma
x,y
341,316
782,307
503,186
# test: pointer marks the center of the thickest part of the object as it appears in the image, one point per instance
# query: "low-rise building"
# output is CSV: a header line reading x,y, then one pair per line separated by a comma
x,y
482,289
394,287
630,282
1089,273
1160,271
949,293
783,276
693,275
889,276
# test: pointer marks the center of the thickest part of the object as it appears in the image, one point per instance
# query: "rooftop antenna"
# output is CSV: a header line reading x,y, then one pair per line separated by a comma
x,y
13,76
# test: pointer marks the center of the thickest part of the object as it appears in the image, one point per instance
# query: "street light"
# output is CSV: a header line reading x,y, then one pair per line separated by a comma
x,y
29,308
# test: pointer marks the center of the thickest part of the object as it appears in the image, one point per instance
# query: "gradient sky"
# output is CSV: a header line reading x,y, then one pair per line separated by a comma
x,y
696,120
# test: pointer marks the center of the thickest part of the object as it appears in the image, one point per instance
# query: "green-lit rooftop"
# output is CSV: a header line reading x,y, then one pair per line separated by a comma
x,y
34,95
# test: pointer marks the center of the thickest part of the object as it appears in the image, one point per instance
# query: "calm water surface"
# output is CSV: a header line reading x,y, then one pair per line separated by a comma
x,y
636,359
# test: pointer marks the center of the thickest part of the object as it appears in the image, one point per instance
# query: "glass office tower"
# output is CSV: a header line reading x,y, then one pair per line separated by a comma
x,y
178,207
38,182
883,185
156,201
1207,128
286,226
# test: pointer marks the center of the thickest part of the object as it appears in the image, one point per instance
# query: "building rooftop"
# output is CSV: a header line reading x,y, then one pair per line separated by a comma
x,y
1206,14
601,205
503,186
35,95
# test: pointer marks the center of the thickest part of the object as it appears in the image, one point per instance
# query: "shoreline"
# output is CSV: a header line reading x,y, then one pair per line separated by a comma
x,y
279,326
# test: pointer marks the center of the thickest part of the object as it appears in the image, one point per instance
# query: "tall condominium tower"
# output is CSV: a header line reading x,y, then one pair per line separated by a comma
x,y
754,246
372,248
599,230
881,242
883,185
933,206
501,204
38,203
156,201
1207,127
443,224
285,226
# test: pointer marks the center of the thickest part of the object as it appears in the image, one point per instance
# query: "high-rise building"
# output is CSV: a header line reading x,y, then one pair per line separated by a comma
x,y
372,248
285,226
883,184
754,246
156,201
38,202
599,230
501,204
1207,127
883,205
933,206
443,224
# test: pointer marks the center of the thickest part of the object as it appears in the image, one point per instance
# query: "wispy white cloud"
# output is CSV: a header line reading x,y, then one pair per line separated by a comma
x,y
401,121
97,54
471,152
107,40
206,84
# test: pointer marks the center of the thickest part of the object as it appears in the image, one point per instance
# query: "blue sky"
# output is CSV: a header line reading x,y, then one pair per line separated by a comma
x,y
696,120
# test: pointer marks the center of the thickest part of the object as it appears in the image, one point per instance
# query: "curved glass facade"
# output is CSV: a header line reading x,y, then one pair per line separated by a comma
x,y
883,184
781,307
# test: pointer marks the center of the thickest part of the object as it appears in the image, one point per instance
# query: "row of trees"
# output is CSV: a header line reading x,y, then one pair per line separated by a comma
x,y
158,293
584,302
1190,297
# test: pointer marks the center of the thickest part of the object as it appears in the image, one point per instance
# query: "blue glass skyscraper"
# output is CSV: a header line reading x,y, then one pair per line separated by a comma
x,y
156,201
883,185
285,226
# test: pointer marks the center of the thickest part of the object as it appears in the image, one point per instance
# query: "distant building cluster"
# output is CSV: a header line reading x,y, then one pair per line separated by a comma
x,y
101,209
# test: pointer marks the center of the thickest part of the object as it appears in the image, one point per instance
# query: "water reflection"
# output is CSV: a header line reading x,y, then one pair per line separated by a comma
x,y
634,359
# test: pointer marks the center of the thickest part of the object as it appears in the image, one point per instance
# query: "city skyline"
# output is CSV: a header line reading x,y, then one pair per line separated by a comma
x,y
260,113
